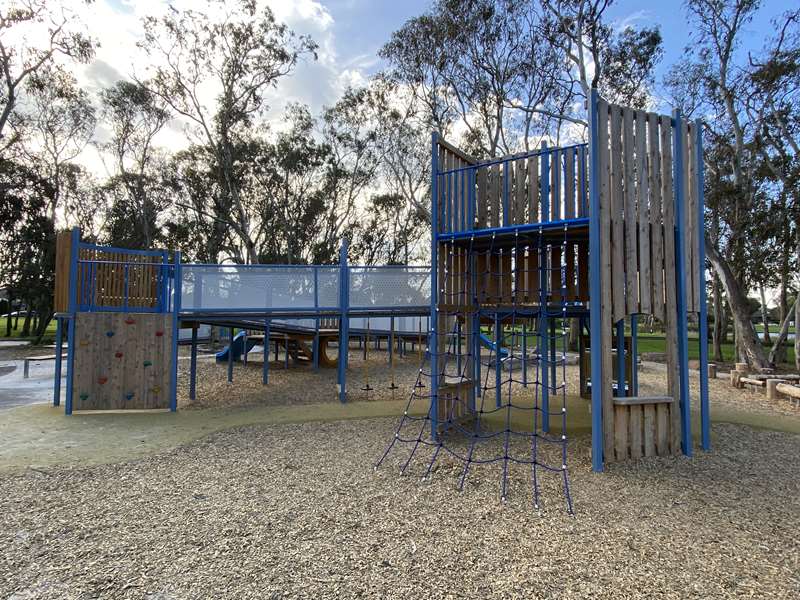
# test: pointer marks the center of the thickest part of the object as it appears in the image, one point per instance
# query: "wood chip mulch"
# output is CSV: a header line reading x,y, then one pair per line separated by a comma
x,y
296,511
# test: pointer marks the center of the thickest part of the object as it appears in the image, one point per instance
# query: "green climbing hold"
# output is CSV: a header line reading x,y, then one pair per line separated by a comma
x,y
147,363
84,396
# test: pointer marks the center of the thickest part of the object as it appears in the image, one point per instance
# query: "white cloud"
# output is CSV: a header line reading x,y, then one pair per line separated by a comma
x,y
117,26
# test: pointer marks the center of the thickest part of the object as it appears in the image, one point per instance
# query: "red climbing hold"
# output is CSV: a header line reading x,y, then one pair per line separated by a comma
x,y
159,333
130,321
102,380
118,355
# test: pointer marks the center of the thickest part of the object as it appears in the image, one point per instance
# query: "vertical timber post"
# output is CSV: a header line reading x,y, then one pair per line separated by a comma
x,y
634,355
705,415
680,284
621,375
596,323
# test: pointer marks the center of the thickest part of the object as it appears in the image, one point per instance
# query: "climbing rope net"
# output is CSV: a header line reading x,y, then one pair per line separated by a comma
x,y
500,356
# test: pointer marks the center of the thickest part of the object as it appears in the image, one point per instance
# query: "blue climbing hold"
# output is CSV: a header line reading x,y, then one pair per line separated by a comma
x,y
129,396
109,333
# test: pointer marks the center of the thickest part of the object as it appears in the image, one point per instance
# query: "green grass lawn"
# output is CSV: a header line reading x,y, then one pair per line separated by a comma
x,y
16,334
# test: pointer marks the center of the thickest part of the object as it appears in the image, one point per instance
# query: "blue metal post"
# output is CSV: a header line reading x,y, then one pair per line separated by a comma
x,y
524,355
193,365
621,375
177,288
72,304
634,355
433,341
498,364
230,353
59,346
597,328
705,414
265,368
344,320
680,284
315,348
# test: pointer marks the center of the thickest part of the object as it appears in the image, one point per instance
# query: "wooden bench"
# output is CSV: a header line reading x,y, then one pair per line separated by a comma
x,y
26,362
778,388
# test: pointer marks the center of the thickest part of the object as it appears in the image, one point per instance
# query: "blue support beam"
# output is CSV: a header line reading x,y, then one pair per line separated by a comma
x,y
193,365
59,349
705,413
596,327
680,284
634,355
230,354
265,368
344,321
72,309
176,310
498,363
433,341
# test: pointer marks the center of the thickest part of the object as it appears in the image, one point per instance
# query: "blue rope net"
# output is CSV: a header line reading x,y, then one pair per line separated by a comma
x,y
501,401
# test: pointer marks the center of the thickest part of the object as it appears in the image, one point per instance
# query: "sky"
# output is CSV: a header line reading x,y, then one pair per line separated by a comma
x,y
349,33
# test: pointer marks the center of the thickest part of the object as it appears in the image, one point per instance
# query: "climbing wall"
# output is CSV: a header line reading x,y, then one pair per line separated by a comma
x,y
122,361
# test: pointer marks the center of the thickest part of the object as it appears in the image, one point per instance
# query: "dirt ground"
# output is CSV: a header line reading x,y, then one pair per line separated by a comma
x,y
270,492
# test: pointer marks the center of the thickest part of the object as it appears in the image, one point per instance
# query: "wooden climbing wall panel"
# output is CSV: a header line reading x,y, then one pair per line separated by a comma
x,y
122,361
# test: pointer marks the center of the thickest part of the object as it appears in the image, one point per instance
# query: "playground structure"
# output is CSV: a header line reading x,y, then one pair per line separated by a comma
x,y
523,246
601,233
123,311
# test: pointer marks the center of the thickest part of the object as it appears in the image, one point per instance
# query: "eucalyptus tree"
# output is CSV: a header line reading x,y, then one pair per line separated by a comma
x,y
135,116
33,33
235,52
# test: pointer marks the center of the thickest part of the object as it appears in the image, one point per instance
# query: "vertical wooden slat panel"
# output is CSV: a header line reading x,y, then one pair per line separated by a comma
x,y
617,224
670,312
606,310
649,427
520,192
482,199
621,443
569,183
635,438
583,184
688,218
555,184
642,195
656,226
629,211
494,187
533,190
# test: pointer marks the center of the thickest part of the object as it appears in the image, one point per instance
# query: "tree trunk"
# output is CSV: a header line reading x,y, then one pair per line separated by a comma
x,y
784,331
764,315
719,321
26,325
40,330
746,339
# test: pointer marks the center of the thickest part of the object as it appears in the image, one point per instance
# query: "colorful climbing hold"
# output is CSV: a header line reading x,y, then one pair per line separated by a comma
x,y
130,321
159,333
155,389
117,354
147,363
102,380
129,396
84,396
83,343
109,334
